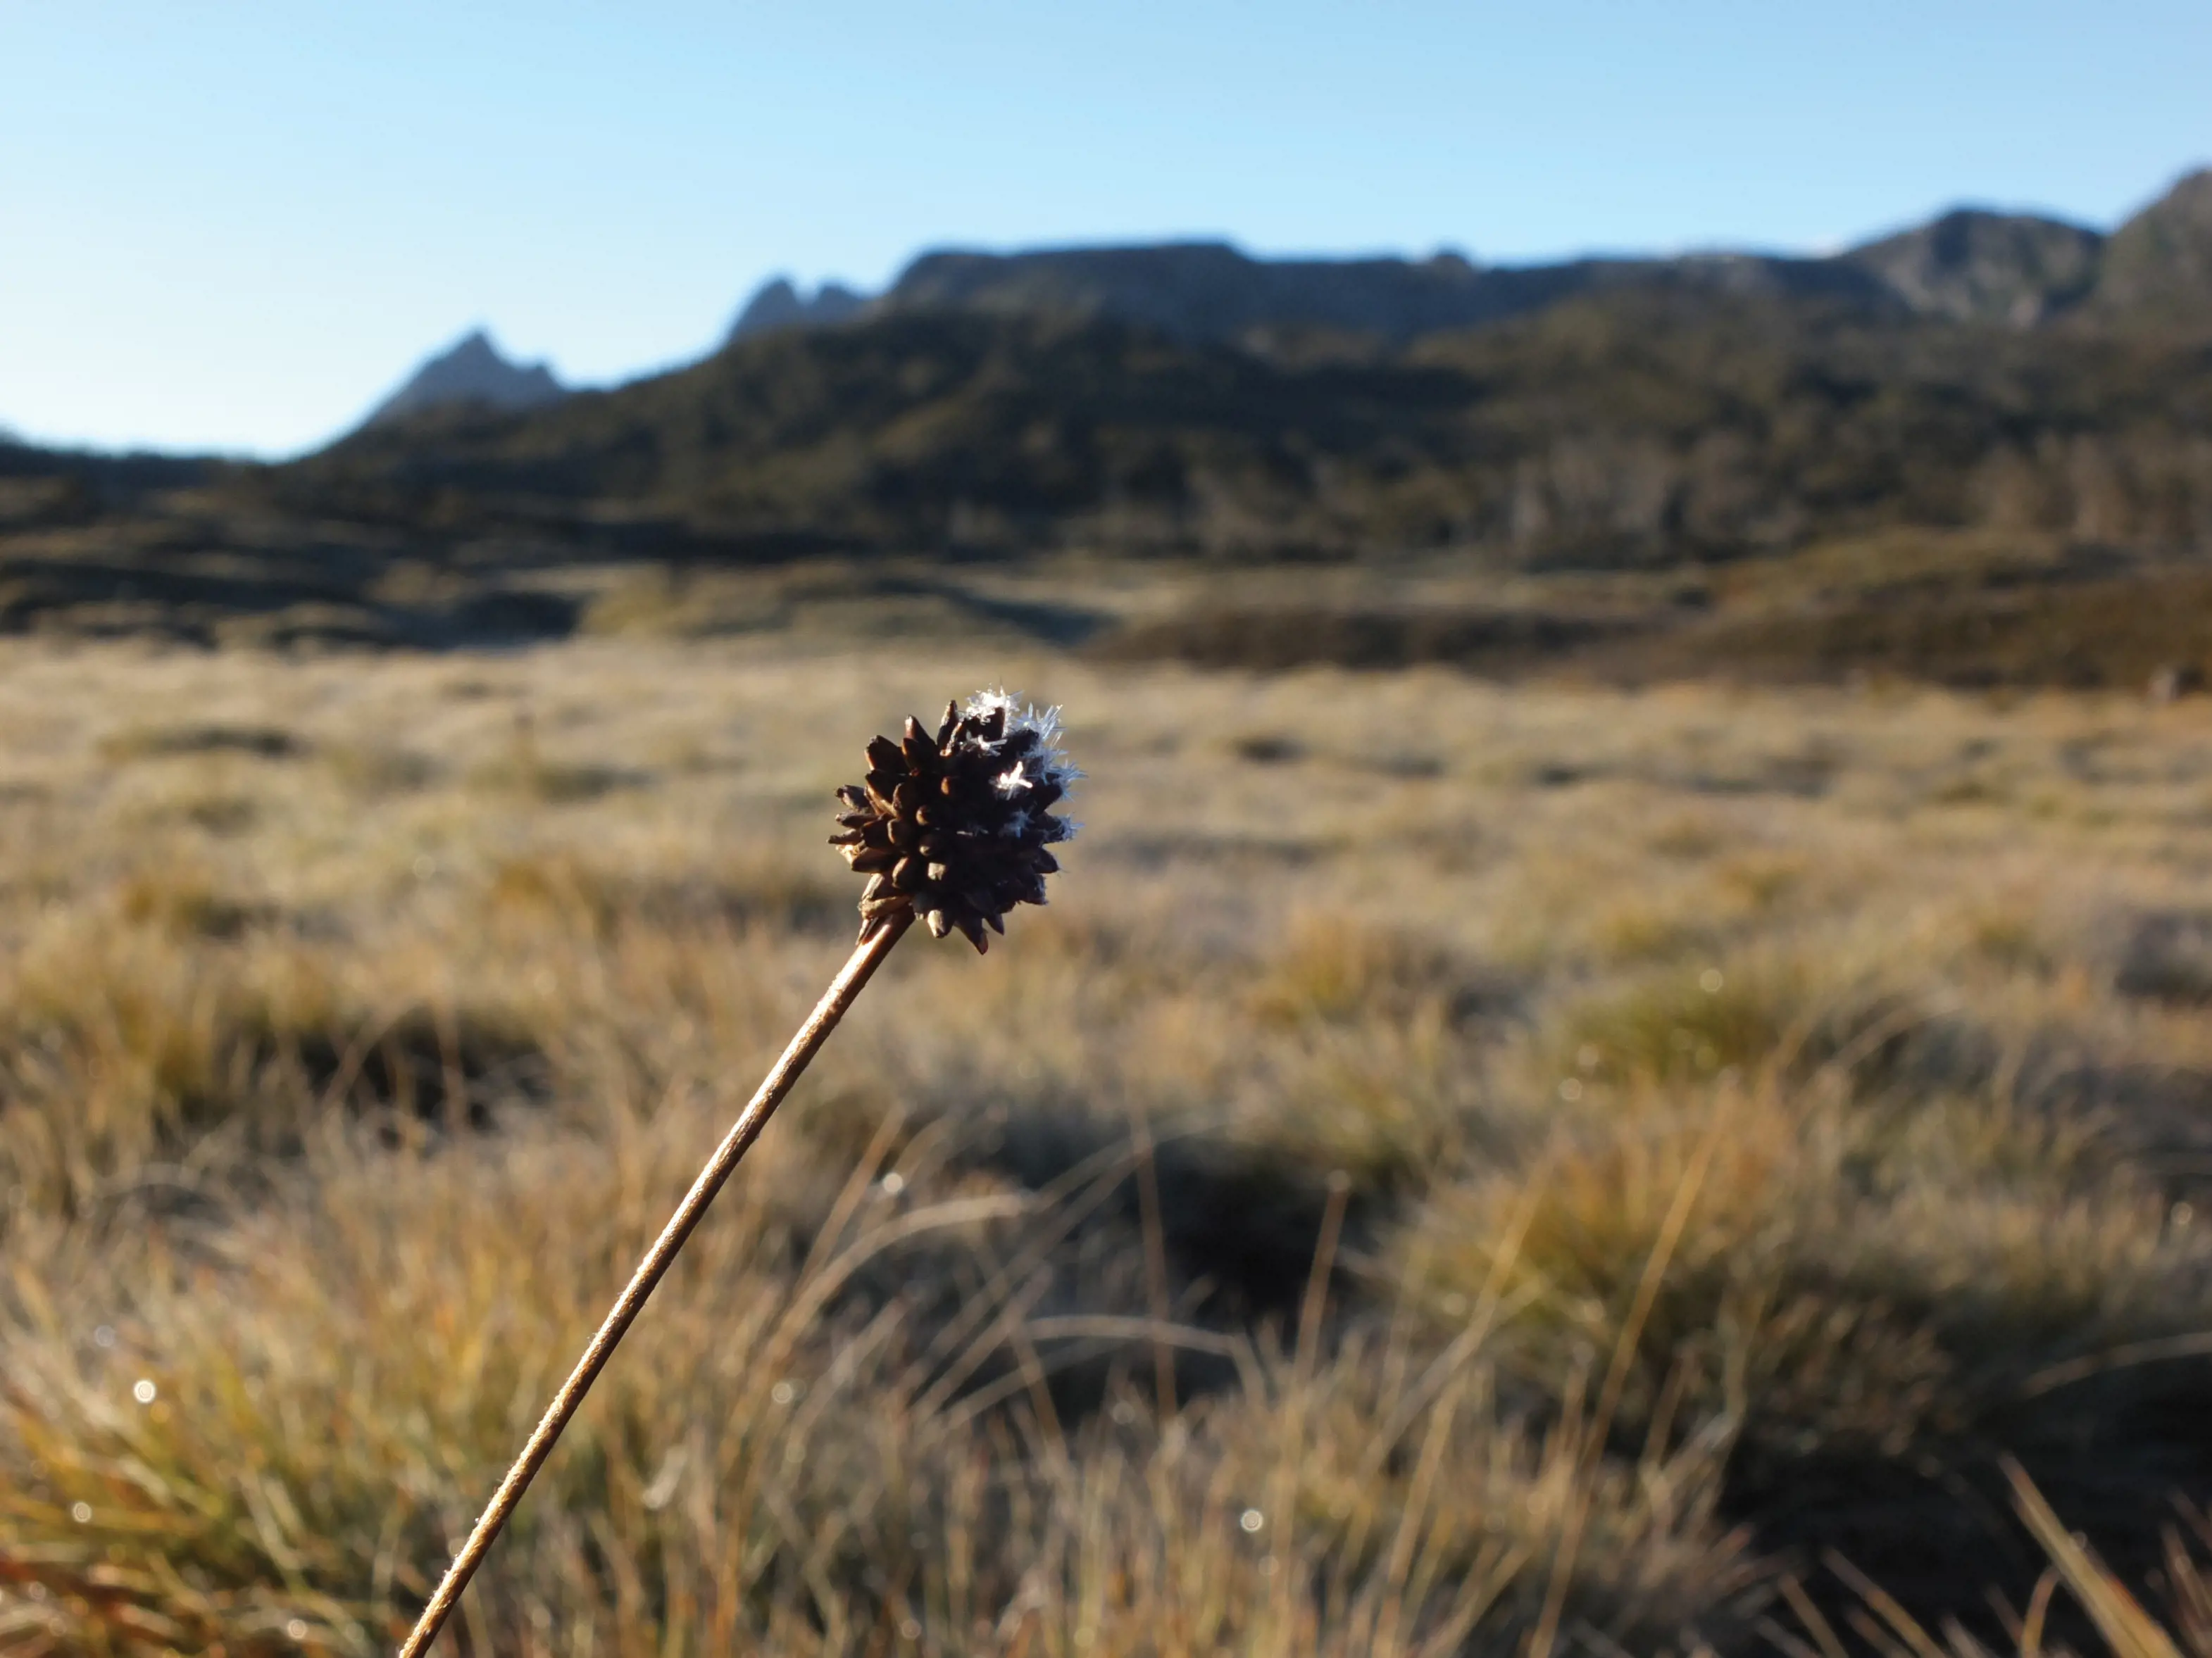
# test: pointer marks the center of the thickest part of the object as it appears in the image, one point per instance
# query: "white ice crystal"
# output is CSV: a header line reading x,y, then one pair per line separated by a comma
x,y
1045,763
984,704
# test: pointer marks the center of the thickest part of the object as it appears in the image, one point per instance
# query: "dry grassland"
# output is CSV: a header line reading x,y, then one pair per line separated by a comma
x,y
1455,1168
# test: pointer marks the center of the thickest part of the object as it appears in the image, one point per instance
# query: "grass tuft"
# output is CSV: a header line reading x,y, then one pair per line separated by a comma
x,y
1243,1260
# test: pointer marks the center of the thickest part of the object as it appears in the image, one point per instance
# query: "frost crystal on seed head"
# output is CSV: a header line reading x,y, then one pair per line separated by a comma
x,y
937,823
984,704
1044,762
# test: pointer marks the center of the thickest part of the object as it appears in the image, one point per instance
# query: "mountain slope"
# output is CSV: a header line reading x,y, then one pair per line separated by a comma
x,y
1645,425
2158,266
1983,266
1895,493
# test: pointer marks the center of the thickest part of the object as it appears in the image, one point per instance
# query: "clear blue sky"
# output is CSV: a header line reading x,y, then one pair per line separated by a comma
x,y
235,225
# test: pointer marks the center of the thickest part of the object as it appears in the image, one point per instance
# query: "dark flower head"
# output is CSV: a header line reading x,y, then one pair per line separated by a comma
x,y
956,827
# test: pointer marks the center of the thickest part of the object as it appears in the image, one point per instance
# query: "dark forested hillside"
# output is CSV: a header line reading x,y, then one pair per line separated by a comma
x,y
1643,427
2024,402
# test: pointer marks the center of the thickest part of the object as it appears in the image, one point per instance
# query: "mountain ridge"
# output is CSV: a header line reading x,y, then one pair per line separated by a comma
x,y
1636,426
1969,263
1982,369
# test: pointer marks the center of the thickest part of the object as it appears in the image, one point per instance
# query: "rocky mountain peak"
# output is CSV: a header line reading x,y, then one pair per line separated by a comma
x,y
777,304
472,370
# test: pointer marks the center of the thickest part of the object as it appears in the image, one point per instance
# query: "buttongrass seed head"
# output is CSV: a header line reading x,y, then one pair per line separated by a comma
x,y
957,827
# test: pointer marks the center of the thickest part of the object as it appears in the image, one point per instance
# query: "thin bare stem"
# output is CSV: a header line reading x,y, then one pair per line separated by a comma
x,y
856,972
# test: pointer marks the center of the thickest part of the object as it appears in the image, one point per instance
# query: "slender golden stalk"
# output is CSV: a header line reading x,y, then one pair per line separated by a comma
x,y
955,829
856,972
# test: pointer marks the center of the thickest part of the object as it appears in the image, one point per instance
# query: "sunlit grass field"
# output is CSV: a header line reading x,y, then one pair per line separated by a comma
x,y
1456,1167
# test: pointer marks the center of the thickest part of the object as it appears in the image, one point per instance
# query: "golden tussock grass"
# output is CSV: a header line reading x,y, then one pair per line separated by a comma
x,y
1456,1169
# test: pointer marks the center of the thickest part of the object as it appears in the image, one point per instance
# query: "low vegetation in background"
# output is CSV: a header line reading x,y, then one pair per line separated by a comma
x,y
1660,471
1453,1171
